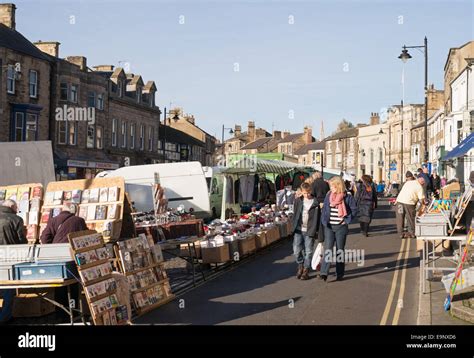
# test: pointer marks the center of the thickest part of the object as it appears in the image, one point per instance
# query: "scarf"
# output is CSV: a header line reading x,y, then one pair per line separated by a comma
x,y
337,200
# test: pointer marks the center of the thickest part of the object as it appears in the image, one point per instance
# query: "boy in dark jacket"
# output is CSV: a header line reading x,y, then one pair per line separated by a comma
x,y
305,226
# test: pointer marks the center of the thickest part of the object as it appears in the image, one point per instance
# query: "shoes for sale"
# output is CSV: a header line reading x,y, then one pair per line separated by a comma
x,y
299,272
305,274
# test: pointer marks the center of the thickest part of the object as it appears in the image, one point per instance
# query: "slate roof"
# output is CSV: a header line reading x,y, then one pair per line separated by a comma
x,y
311,146
15,41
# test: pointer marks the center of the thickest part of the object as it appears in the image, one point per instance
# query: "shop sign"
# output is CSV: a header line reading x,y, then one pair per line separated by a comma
x,y
77,163
101,165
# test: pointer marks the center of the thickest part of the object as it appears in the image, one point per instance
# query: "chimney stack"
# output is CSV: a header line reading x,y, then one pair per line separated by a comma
x,y
277,135
7,15
49,47
80,61
285,134
237,130
374,118
251,130
308,135
104,68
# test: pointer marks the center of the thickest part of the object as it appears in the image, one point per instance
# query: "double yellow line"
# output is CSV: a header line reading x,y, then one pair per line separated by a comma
x,y
401,293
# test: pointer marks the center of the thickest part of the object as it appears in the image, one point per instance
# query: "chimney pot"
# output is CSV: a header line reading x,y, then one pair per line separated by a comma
x,y
7,15
80,61
49,47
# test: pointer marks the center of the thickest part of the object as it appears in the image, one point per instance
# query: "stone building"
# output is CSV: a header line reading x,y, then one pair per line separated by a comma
x,y
25,84
341,151
178,146
312,154
241,139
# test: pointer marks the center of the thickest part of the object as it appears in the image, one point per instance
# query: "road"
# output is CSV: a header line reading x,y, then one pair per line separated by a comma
x,y
265,291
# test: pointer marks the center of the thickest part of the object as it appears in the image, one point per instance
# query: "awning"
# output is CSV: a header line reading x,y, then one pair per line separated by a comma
x,y
255,165
465,146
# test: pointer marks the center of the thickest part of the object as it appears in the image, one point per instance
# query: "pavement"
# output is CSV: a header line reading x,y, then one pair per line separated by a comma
x,y
381,289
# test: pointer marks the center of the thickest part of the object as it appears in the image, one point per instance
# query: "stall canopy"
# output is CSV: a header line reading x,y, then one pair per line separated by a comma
x,y
255,165
462,149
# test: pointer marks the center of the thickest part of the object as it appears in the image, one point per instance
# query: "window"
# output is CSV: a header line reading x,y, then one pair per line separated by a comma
x,y
11,79
114,132
91,99
90,136
142,137
19,118
73,96
33,81
63,91
132,135
99,138
151,133
31,127
62,132
100,101
73,133
123,134
459,127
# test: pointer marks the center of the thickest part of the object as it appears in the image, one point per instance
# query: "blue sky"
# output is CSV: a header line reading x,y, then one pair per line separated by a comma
x,y
337,60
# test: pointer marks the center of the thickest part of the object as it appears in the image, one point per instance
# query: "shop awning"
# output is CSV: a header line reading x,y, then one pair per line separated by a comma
x,y
465,146
255,165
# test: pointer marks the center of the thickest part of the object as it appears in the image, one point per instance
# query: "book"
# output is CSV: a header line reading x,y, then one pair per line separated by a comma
x,y
36,192
45,216
12,194
3,194
113,318
101,212
85,196
67,196
76,196
55,212
33,218
114,193
35,204
94,196
23,193
24,216
49,198
113,211
104,195
58,197
91,212
32,232
83,212
24,206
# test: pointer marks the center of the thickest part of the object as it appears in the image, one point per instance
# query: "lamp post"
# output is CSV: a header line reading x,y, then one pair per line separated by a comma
x,y
175,118
230,132
405,56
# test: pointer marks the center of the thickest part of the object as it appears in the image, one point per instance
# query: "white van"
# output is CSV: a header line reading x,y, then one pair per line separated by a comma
x,y
184,184
215,184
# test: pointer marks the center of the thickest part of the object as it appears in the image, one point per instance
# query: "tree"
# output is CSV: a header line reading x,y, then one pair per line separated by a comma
x,y
344,124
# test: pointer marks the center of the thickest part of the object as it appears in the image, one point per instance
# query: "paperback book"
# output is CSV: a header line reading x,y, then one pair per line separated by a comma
x,y
85,196
104,195
36,192
76,196
94,195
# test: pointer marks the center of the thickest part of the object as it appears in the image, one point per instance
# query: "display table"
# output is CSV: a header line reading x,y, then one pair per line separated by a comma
x,y
192,227
429,256
17,284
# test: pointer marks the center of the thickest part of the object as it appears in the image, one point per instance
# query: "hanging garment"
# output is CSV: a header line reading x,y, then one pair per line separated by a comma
x,y
298,179
237,191
247,188
229,190
285,197
264,189
282,181
255,188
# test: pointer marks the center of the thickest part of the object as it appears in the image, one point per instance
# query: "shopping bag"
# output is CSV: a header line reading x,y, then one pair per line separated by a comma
x,y
318,254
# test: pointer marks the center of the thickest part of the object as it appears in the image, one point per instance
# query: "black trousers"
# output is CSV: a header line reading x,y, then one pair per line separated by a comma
x,y
364,227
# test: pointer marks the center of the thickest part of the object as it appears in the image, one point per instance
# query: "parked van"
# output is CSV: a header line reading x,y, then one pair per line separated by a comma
x,y
184,184
215,183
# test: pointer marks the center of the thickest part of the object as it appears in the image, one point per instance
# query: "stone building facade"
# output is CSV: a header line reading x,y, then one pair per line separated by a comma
x,y
341,151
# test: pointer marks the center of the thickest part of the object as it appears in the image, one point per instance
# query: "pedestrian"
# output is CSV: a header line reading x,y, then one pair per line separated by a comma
x,y
443,182
366,199
436,182
59,227
319,190
305,229
12,232
338,212
423,172
411,193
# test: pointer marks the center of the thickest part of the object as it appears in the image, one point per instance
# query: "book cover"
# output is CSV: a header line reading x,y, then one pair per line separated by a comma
x,y
33,218
85,196
91,212
32,232
104,195
113,211
23,193
35,204
101,212
36,192
94,195
67,196
113,318
3,194
55,212
49,198
58,197
83,212
76,196
24,206
114,193
12,194
45,216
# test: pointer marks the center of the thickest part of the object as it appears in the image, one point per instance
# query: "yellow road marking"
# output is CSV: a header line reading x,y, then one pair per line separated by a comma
x,y
402,285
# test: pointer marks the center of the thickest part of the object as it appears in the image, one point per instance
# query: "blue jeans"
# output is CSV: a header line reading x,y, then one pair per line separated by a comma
x,y
303,249
6,311
334,234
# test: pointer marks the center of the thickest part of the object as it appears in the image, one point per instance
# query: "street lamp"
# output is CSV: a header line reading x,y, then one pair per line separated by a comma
x,y
175,118
405,56
230,132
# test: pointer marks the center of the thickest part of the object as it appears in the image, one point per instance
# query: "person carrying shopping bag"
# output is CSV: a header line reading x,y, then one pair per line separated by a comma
x,y
305,229
338,212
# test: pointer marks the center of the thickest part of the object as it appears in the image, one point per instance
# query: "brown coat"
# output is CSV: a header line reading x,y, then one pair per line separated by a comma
x,y
60,226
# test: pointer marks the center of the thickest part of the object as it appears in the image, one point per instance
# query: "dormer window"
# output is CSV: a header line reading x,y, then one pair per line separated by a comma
x,y
139,94
119,88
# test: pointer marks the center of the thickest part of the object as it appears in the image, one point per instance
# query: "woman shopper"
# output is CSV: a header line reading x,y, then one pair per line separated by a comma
x,y
305,226
366,200
338,212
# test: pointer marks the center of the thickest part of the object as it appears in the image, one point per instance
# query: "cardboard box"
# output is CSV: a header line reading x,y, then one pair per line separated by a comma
x,y
215,254
273,234
30,305
184,250
247,245
261,240
234,250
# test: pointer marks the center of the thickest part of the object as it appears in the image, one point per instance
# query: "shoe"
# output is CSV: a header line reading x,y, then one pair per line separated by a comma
x,y
323,277
409,236
340,278
402,236
366,234
305,274
300,271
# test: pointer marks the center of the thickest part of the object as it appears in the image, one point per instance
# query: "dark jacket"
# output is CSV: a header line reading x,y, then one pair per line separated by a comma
x,y
312,227
351,208
60,226
12,229
436,182
320,189
366,202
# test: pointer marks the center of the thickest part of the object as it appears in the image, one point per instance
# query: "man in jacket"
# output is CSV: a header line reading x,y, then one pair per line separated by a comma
x,y
319,191
305,229
412,192
12,232
60,226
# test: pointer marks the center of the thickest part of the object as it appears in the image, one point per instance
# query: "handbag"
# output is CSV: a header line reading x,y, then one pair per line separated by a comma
x,y
318,254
